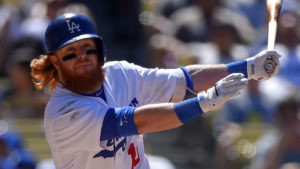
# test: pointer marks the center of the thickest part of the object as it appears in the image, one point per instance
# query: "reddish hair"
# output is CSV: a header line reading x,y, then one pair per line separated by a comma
x,y
43,73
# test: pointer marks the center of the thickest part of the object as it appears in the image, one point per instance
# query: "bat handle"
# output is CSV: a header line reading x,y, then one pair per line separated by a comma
x,y
270,65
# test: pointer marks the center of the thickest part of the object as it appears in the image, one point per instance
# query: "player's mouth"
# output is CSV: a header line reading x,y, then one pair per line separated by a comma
x,y
86,66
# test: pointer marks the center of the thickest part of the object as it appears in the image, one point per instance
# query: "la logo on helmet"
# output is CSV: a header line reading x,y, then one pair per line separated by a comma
x,y
73,26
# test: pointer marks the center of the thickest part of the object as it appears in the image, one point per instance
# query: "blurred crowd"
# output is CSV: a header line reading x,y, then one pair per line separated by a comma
x,y
258,130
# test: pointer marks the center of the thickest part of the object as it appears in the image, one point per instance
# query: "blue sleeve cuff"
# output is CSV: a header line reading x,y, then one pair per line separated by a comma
x,y
238,67
118,123
189,82
125,123
188,109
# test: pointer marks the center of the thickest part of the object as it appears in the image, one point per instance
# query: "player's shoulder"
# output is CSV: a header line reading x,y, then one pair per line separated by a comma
x,y
121,68
71,112
119,65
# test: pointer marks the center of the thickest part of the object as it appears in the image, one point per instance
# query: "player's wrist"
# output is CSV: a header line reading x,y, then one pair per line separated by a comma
x,y
188,109
238,67
251,67
203,102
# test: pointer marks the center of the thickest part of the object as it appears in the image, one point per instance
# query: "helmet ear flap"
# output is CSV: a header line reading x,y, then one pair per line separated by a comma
x,y
101,50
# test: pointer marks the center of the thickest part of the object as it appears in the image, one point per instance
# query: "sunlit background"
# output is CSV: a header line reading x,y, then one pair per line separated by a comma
x,y
258,130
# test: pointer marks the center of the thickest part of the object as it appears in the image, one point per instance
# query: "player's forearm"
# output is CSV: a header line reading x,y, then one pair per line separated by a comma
x,y
155,117
151,118
262,66
205,76
127,121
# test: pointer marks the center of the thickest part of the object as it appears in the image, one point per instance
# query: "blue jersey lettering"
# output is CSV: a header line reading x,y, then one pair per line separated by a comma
x,y
112,143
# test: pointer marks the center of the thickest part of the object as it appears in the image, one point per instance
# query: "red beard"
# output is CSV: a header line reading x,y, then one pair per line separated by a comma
x,y
83,83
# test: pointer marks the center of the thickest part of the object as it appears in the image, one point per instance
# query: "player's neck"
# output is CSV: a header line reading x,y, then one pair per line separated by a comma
x,y
94,90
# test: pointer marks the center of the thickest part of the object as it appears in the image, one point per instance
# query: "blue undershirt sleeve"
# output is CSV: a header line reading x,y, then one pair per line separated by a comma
x,y
189,82
118,122
238,67
188,109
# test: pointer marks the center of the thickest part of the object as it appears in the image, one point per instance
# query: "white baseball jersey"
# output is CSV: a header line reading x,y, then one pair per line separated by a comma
x,y
73,122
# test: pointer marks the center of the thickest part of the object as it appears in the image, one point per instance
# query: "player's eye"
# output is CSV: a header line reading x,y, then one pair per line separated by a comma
x,y
73,55
68,57
91,52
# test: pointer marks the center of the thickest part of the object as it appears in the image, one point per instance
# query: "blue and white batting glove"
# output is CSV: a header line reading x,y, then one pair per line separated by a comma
x,y
263,66
226,88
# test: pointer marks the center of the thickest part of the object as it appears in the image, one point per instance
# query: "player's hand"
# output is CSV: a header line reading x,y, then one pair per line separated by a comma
x,y
226,88
263,66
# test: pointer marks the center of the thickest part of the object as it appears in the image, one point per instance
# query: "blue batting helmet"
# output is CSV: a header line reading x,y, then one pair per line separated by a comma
x,y
71,27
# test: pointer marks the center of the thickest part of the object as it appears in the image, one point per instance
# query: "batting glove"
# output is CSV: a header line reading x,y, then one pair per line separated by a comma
x,y
223,90
263,66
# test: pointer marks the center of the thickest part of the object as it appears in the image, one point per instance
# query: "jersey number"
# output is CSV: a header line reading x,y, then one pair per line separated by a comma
x,y
134,153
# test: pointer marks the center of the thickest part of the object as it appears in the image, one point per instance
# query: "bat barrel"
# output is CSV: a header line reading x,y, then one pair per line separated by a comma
x,y
272,35
274,7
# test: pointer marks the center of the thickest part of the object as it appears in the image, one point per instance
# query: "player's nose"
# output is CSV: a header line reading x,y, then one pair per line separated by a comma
x,y
82,55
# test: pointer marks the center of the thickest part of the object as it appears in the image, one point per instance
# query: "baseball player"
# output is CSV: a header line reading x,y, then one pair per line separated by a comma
x,y
98,112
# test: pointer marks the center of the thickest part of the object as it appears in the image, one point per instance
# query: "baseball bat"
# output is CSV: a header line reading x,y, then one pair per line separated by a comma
x,y
274,7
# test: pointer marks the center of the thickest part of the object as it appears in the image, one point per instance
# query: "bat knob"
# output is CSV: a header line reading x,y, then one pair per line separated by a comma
x,y
270,65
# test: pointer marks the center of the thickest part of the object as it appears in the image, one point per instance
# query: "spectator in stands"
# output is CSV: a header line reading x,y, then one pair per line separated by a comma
x,y
251,107
5,161
288,41
254,10
224,46
194,22
281,145
13,154
21,100
9,32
